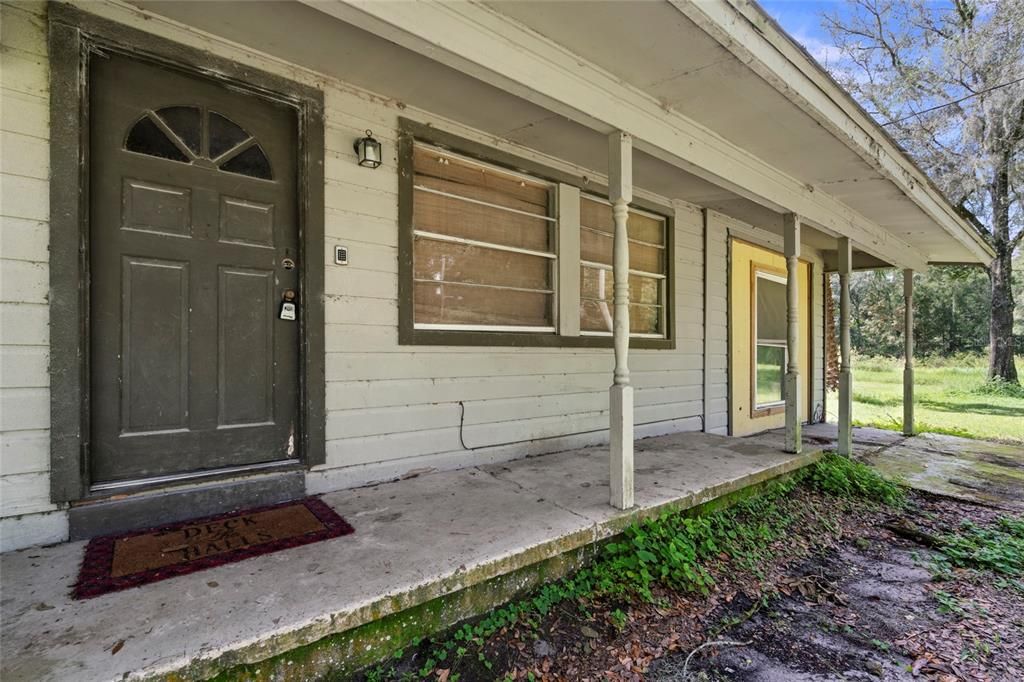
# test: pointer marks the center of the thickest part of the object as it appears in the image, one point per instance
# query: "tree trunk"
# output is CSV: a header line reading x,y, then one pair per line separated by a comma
x,y
1000,274
1001,346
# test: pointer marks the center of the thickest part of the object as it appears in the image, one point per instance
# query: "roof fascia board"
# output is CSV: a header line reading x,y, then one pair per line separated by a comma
x,y
488,45
747,32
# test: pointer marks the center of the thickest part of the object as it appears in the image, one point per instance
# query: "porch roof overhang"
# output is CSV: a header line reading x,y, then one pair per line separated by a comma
x,y
726,111
804,147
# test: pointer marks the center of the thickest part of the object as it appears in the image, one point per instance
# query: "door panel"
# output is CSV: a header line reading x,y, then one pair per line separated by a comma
x,y
154,345
160,209
193,215
245,349
246,222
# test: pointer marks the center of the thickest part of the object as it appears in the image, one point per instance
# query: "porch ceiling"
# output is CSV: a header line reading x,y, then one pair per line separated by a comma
x,y
355,56
667,55
733,101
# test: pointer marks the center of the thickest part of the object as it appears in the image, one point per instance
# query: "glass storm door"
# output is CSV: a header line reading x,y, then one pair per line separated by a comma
x,y
193,247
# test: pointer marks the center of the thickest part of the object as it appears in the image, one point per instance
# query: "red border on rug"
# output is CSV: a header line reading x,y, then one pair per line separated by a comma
x,y
94,576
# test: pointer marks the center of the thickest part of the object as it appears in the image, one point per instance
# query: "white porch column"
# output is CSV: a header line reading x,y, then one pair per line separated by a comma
x,y
908,350
845,445
791,225
620,193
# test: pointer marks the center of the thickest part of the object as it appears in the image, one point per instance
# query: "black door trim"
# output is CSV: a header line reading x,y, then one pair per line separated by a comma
x,y
75,37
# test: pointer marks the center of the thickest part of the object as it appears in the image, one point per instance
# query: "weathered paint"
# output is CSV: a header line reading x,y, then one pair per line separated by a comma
x,y
908,352
796,284
390,409
744,257
845,446
344,653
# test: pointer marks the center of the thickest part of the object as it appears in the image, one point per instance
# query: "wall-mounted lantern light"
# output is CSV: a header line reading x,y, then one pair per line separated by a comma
x,y
368,150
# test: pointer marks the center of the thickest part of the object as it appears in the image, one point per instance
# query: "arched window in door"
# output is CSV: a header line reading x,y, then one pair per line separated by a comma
x,y
194,135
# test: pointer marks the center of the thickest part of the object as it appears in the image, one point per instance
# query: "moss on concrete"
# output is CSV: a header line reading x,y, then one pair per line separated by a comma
x,y
981,471
396,622
344,653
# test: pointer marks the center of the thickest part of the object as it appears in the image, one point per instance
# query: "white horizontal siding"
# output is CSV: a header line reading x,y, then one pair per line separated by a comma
x,y
716,320
25,240
25,452
392,407
24,278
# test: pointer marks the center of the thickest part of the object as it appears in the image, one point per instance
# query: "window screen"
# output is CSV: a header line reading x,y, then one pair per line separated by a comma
x,y
483,246
770,345
647,270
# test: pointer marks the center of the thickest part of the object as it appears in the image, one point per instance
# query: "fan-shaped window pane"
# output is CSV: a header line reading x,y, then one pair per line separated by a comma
x,y
252,162
184,122
225,135
147,138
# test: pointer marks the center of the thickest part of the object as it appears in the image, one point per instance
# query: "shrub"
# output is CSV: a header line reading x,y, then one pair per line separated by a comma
x,y
997,386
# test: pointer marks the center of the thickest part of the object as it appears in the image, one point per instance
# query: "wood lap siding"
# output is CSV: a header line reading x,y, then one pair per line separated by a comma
x,y
24,264
394,408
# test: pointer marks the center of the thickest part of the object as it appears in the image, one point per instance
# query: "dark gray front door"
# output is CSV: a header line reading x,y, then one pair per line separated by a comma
x,y
193,246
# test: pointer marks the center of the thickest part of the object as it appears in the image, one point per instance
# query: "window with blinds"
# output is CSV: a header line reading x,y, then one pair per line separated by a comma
x,y
647,270
769,325
483,246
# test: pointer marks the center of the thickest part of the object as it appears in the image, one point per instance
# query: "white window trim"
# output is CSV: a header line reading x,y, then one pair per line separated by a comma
x,y
774,343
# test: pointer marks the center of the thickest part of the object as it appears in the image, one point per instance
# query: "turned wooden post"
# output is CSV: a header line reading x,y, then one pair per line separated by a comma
x,y
620,193
791,226
908,352
845,445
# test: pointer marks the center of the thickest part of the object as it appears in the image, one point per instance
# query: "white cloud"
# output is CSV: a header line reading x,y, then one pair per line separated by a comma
x,y
826,53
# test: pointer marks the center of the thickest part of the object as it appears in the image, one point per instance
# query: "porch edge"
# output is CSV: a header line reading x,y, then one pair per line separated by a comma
x,y
376,629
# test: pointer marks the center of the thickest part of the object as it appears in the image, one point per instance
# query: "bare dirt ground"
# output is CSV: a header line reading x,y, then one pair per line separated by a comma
x,y
846,594
871,608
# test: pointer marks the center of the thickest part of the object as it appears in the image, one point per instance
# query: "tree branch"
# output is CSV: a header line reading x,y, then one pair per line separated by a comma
x,y
969,216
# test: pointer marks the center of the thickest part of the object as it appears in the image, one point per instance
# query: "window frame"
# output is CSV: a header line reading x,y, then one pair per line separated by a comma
x,y
551,254
779,406
663,278
411,133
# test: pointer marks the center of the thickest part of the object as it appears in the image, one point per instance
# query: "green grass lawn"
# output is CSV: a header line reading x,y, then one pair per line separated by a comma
x,y
951,397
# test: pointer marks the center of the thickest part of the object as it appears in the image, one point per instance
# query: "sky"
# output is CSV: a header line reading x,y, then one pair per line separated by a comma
x,y
802,20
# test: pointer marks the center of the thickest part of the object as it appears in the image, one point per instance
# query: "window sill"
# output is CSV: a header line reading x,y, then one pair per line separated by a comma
x,y
767,411
435,337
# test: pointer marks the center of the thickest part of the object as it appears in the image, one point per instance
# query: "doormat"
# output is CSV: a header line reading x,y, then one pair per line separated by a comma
x,y
117,562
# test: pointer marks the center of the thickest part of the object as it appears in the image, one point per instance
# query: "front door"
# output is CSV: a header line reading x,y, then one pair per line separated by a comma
x,y
193,247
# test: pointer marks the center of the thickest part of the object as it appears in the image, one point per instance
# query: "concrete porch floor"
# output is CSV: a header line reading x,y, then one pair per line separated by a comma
x,y
416,540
